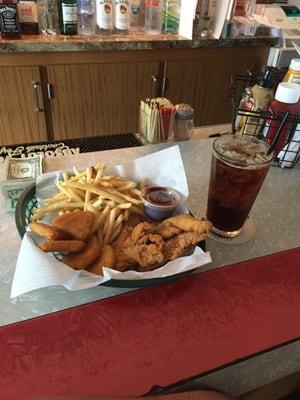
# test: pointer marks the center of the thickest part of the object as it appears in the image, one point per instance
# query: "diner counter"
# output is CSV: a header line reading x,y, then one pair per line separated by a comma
x,y
134,41
276,213
277,217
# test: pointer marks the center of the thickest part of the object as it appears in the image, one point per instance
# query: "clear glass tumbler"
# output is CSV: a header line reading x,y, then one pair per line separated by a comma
x,y
238,168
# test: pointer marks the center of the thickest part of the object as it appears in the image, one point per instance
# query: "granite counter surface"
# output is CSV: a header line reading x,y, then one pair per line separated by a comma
x,y
134,41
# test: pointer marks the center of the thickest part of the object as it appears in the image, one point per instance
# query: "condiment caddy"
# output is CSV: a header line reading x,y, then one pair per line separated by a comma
x,y
269,109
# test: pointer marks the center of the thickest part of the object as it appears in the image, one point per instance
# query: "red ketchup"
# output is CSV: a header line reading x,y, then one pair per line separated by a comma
x,y
159,202
160,196
286,99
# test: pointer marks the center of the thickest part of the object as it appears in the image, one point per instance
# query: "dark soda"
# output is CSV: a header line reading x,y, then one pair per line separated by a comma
x,y
234,185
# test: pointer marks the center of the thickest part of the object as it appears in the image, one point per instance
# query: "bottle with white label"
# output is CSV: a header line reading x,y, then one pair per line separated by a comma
x,y
86,17
68,18
105,21
28,17
122,16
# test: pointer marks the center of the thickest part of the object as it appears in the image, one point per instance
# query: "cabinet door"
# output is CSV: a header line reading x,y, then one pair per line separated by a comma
x,y
22,117
204,82
99,99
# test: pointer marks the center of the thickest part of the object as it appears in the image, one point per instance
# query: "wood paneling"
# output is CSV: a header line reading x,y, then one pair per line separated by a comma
x,y
203,82
19,122
99,99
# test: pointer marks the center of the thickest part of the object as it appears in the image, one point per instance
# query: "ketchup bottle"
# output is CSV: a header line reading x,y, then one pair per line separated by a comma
x,y
286,100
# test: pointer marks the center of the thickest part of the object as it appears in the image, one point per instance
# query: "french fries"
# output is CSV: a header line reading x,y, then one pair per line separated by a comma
x,y
111,198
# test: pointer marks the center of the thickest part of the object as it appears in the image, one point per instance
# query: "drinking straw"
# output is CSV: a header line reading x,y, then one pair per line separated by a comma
x,y
277,134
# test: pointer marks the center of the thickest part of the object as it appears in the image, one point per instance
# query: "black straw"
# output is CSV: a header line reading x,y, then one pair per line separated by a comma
x,y
277,135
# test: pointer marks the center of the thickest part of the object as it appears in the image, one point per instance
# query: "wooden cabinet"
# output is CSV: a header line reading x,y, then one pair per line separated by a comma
x,y
99,99
203,82
22,117
98,93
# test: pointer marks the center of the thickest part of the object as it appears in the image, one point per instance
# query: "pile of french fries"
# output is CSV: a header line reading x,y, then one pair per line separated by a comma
x,y
111,198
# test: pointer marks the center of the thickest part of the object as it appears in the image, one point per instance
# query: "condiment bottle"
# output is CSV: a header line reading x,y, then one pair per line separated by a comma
x,y
263,92
262,95
293,73
28,17
9,23
286,100
122,16
67,10
183,123
246,104
105,21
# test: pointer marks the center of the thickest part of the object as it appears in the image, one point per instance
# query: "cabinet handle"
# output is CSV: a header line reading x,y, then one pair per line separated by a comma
x,y
155,80
35,85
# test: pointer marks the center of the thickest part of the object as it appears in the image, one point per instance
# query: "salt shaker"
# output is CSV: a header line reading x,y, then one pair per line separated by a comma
x,y
183,123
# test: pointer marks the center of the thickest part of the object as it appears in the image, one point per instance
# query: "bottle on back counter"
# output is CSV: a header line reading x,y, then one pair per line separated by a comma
x,y
122,16
293,73
135,13
67,11
153,16
28,17
171,16
105,21
86,17
48,17
9,23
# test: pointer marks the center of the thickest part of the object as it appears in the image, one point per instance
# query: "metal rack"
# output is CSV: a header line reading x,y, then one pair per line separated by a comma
x,y
260,124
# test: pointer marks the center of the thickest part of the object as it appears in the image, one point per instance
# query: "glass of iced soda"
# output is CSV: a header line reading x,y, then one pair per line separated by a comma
x,y
238,168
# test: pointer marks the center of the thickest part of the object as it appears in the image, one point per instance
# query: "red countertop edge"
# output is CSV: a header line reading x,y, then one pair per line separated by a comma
x,y
239,306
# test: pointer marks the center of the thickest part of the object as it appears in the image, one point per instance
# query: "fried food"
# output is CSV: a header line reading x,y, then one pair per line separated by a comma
x,y
185,223
85,257
112,198
150,245
77,223
62,246
48,231
106,259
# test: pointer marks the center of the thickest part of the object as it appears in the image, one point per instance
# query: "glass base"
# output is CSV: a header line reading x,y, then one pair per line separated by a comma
x,y
226,234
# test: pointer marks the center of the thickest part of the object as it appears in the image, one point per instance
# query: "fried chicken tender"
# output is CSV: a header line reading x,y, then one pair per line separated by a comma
x,y
77,223
185,223
136,248
177,245
48,231
85,257
62,246
149,245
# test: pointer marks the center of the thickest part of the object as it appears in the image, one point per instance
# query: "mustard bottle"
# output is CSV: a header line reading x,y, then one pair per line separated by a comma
x,y
293,73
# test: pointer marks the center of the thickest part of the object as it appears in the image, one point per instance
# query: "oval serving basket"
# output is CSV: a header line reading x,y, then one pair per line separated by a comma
x,y
28,201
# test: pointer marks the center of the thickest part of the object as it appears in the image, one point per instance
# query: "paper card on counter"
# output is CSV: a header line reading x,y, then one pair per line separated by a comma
x,y
36,269
187,15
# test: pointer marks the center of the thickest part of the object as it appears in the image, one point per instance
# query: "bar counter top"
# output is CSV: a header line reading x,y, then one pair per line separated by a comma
x,y
134,41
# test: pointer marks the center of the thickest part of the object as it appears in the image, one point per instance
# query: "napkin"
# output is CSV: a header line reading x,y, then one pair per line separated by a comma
x,y
36,269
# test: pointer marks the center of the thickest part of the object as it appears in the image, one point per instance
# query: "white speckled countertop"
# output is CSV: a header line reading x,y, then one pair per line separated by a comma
x,y
277,216
276,213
